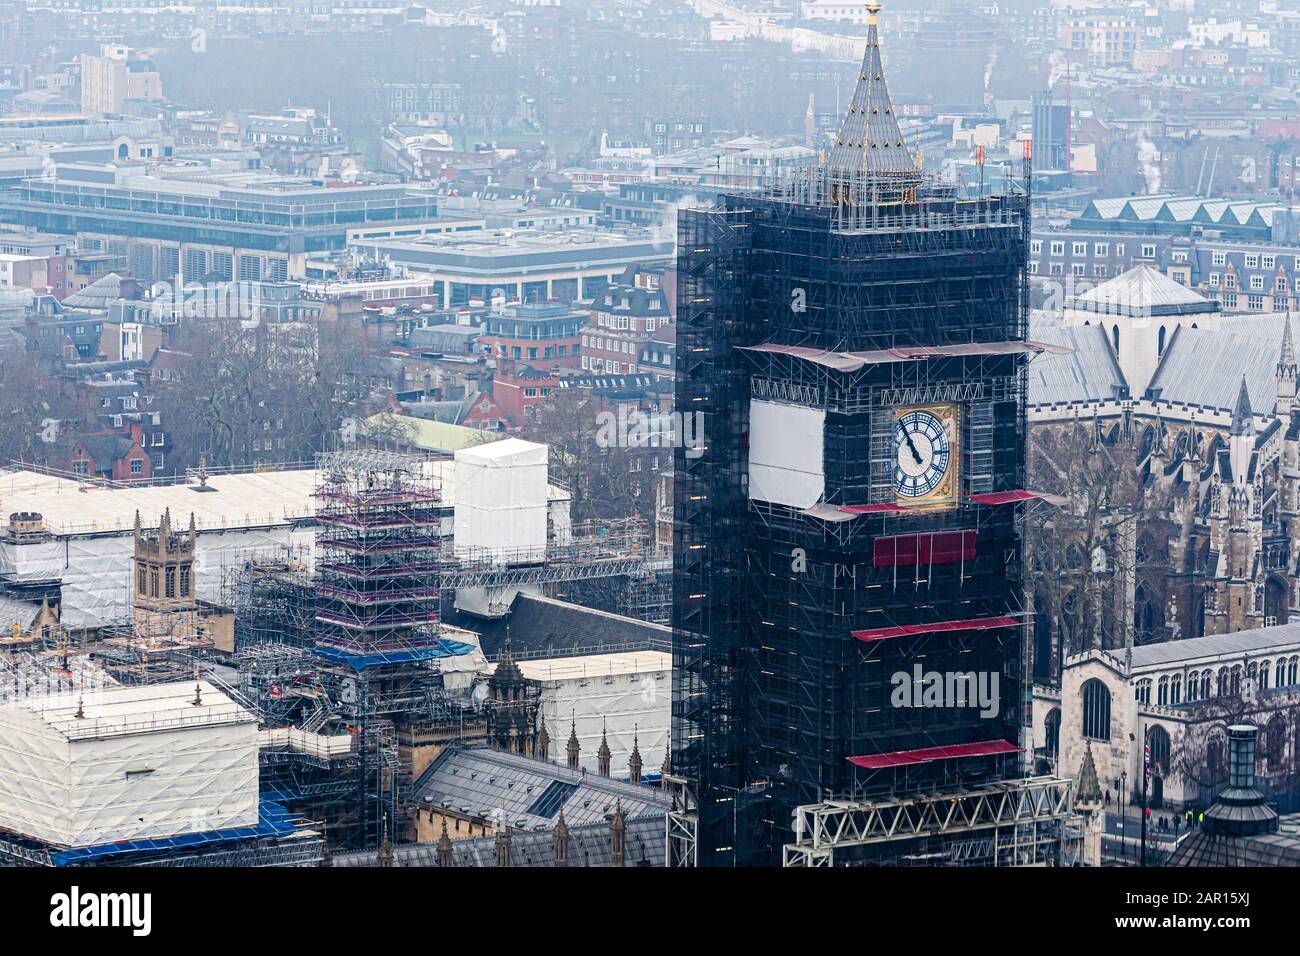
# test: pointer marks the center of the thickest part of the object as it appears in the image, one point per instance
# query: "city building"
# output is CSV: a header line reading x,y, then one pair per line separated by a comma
x,y
115,77
525,266
190,221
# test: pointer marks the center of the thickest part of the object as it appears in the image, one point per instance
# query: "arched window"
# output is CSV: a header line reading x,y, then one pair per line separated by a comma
x,y
1158,741
1263,675
1193,686
1096,710
1176,689
1052,730
1160,342
1224,678
1275,744
1142,693
1216,758
1236,679
1114,334
1162,691
1205,684
1290,671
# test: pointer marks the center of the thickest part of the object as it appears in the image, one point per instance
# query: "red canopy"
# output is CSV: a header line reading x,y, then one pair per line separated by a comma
x,y
938,627
1006,497
905,758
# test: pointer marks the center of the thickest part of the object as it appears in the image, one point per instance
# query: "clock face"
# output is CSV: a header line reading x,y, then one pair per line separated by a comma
x,y
924,442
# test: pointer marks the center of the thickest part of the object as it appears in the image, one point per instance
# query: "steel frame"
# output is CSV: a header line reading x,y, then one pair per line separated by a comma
x,y
1027,819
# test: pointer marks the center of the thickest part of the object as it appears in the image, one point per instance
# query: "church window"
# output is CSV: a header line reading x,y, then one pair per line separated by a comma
x,y
1096,710
185,580
171,582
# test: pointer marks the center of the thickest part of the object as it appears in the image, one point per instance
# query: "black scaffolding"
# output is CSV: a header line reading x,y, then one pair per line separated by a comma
x,y
827,294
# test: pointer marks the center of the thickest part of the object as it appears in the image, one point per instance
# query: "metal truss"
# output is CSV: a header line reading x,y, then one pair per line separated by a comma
x,y
683,824
1026,818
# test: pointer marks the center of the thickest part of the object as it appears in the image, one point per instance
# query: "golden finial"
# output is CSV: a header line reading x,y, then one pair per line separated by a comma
x,y
873,8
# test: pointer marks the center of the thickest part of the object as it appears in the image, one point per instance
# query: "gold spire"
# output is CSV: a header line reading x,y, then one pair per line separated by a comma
x,y
873,8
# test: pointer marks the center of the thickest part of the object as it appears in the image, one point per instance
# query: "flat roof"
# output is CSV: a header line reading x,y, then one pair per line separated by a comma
x,y
241,500
595,665
144,708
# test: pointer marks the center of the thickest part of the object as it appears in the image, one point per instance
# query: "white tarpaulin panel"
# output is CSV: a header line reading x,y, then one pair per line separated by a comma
x,y
786,453
501,499
142,762
625,696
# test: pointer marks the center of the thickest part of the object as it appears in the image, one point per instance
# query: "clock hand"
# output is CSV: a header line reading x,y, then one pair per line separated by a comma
x,y
912,445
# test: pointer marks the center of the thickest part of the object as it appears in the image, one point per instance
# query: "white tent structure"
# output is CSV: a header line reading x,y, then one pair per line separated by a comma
x,y
127,763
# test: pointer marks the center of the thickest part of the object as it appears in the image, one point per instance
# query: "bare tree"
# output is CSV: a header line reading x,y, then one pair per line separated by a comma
x,y
1090,559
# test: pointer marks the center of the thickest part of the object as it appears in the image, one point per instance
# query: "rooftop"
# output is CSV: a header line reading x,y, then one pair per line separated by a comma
x,y
146,708
1256,640
1143,291
481,783
239,500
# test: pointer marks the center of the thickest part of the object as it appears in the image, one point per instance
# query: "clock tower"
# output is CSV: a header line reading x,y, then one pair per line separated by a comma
x,y
848,565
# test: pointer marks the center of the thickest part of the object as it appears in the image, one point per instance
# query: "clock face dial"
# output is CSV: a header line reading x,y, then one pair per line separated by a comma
x,y
923,442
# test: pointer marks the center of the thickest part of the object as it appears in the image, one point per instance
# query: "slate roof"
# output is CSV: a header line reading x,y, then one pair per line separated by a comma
x,y
17,612
1259,639
1142,291
1203,848
560,629
588,846
1088,373
1205,368
100,294
482,782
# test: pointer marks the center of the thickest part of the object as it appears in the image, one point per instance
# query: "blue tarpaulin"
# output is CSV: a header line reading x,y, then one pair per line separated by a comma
x,y
273,820
360,661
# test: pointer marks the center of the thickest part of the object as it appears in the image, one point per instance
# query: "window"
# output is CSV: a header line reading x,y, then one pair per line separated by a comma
x,y
1079,249
1230,280
1101,248
1219,259
1257,282
1269,262
137,466
1142,694
1148,251
1078,269
171,582
1035,247
1252,261
1058,248
185,580
1214,280
1096,710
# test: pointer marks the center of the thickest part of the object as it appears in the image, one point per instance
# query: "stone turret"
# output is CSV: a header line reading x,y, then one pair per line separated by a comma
x,y
617,835
603,755
574,748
